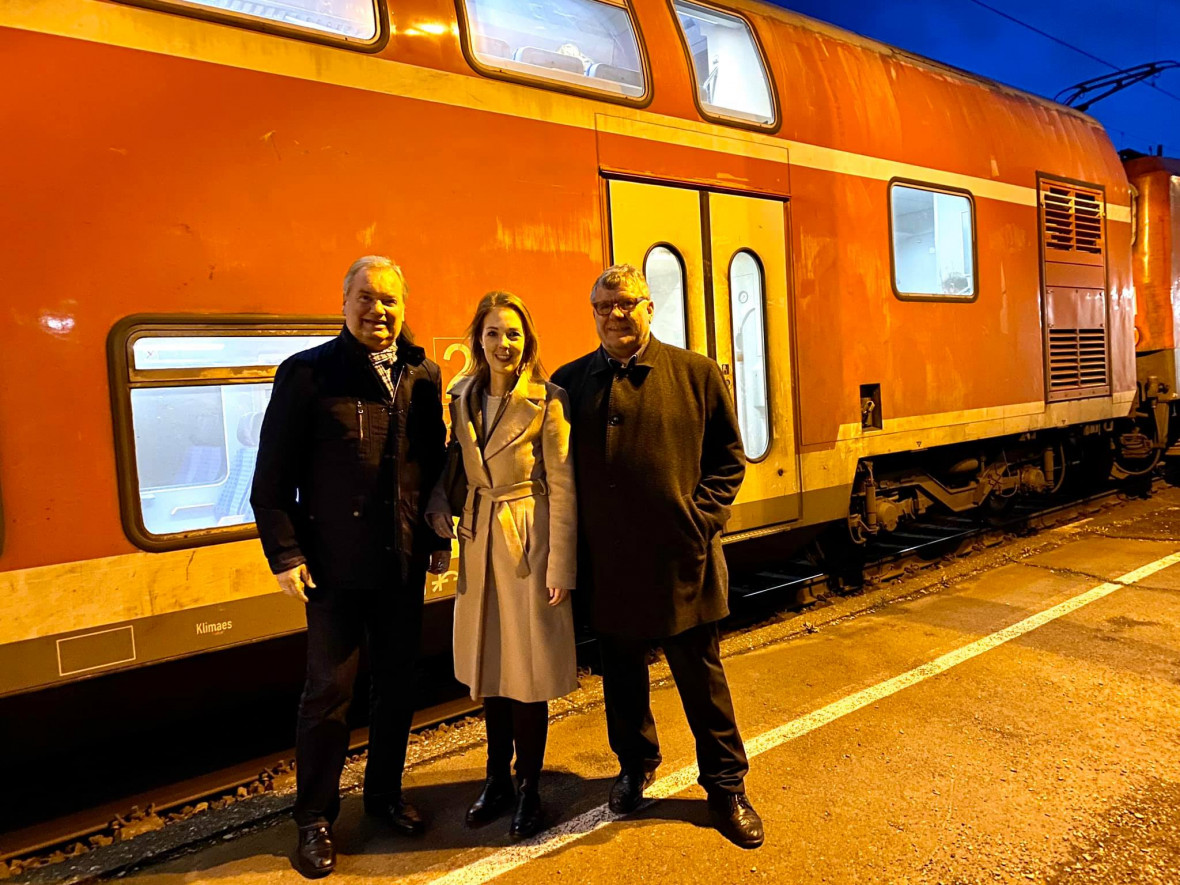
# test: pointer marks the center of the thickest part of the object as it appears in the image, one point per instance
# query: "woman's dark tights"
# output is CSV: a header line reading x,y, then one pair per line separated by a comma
x,y
515,725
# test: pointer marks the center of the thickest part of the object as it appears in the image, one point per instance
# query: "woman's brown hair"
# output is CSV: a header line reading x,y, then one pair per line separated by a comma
x,y
530,358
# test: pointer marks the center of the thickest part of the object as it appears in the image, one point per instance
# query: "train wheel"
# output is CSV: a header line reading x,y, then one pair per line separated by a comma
x,y
841,558
997,509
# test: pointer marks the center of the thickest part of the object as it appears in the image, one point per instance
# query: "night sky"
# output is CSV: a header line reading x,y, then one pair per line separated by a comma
x,y
967,35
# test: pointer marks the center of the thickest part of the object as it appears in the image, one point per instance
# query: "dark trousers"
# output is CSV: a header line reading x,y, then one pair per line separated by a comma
x,y
389,623
520,727
695,659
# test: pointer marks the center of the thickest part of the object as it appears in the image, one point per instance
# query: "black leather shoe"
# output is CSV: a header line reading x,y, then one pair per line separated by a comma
x,y
627,791
316,855
528,819
737,820
495,799
401,816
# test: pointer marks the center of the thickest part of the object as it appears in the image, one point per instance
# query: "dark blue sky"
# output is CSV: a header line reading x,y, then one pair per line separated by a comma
x,y
967,35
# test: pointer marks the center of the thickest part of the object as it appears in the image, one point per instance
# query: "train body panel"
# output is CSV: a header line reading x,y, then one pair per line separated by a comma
x,y
187,167
1156,265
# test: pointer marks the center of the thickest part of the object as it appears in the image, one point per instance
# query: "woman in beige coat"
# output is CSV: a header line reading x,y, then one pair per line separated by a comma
x,y
514,632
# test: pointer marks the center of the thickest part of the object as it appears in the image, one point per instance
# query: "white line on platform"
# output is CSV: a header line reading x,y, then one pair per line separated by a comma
x,y
508,859
1072,526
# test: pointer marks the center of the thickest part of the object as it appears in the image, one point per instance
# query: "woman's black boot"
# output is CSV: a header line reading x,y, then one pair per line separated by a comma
x,y
528,819
495,799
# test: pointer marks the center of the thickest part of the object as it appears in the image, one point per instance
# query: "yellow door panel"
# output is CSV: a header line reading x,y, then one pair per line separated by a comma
x,y
713,259
748,264
660,227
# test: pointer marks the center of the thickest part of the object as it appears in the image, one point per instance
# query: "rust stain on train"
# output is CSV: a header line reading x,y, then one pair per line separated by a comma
x,y
367,235
546,237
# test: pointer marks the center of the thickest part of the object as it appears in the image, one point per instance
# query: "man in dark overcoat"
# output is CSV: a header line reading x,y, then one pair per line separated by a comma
x,y
658,460
352,442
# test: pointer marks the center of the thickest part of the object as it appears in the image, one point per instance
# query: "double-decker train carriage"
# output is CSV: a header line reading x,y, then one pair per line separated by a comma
x,y
918,282
1155,186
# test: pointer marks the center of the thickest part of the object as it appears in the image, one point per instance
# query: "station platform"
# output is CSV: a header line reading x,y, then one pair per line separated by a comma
x,y
1012,715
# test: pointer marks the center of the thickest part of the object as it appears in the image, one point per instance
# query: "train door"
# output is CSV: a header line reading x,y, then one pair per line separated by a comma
x,y
717,268
658,229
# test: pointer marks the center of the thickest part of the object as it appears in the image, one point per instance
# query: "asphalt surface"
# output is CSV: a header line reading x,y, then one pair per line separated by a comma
x,y
912,742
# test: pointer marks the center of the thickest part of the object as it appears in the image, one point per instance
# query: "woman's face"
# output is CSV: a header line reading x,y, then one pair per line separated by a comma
x,y
503,340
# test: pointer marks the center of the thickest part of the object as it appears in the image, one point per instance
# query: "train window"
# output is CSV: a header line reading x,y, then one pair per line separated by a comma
x,y
193,474
933,243
732,82
747,306
584,44
178,352
192,397
350,20
664,271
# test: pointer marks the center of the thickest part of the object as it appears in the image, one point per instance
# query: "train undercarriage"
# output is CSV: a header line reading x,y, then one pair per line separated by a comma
x,y
988,476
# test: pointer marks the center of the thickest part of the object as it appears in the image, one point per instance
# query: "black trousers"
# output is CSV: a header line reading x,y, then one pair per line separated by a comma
x,y
520,727
695,659
389,623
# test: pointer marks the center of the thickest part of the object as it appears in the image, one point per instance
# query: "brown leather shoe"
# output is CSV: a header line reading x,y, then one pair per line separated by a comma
x,y
737,820
315,855
627,791
401,816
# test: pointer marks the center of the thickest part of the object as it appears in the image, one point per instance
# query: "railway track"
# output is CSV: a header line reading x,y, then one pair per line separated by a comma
x,y
918,545
756,590
63,834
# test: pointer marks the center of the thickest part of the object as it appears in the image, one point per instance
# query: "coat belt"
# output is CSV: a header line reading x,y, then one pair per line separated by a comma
x,y
498,497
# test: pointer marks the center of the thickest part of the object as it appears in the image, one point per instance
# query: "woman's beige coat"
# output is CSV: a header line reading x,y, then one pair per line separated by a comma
x,y
517,538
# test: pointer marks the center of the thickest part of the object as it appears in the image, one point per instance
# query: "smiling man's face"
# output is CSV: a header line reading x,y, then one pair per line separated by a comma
x,y
375,308
626,323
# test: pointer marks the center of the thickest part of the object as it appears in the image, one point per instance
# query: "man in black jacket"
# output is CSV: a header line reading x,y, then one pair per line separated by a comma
x,y
658,459
352,442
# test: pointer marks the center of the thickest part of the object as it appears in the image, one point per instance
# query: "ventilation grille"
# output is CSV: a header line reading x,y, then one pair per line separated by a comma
x,y
1073,219
1077,359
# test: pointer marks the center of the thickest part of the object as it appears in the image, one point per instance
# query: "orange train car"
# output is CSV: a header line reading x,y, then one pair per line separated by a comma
x,y
1156,264
918,281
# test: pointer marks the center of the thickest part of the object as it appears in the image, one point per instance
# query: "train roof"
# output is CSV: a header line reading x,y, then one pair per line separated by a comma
x,y
1147,164
799,19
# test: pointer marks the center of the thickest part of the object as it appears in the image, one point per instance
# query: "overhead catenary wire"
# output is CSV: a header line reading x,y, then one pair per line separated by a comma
x,y
1067,45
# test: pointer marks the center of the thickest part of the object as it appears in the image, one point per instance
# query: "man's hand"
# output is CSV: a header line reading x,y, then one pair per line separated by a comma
x,y
558,595
442,524
440,561
293,580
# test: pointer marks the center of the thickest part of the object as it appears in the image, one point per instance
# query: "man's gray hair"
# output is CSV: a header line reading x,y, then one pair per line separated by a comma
x,y
373,262
622,276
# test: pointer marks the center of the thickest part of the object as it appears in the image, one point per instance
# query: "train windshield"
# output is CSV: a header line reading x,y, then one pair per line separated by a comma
x,y
586,43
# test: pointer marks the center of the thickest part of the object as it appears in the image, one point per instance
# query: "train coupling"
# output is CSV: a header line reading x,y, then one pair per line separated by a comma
x,y
1156,402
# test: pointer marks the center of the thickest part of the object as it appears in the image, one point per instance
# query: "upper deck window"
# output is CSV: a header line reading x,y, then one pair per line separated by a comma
x,y
933,243
352,20
732,82
585,44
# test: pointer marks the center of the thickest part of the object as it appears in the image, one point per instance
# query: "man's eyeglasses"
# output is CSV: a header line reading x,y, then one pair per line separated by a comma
x,y
626,305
